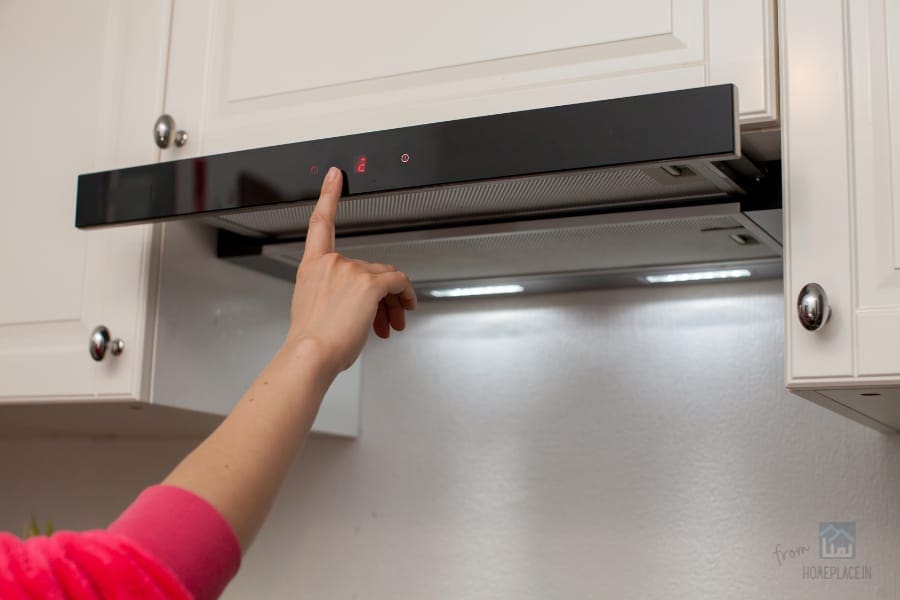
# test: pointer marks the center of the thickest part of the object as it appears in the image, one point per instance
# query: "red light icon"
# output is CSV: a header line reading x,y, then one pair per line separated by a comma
x,y
314,170
359,164
404,158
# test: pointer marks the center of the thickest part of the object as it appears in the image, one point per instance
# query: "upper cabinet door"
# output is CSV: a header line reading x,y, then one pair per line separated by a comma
x,y
71,106
874,59
842,188
254,73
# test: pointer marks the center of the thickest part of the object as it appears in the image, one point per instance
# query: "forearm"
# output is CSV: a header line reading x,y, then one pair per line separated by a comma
x,y
240,466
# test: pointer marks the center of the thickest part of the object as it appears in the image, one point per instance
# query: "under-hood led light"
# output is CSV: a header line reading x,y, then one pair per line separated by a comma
x,y
484,290
699,276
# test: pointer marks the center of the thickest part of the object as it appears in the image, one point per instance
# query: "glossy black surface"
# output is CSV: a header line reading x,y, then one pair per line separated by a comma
x,y
657,127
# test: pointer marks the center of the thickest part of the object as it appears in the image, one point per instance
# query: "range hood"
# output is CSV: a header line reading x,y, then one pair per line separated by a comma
x,y
569,197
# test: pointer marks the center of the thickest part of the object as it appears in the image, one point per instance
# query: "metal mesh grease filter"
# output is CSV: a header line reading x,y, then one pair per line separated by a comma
x,y
525,195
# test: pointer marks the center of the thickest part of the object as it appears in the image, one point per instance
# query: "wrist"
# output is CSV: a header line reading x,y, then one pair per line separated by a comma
x,y
312,353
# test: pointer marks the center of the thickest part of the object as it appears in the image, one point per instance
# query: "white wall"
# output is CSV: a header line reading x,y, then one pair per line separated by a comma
x,y
630,444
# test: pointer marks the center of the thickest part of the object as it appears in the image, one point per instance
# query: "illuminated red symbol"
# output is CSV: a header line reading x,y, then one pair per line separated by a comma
x,y
359,164
314,170
404,158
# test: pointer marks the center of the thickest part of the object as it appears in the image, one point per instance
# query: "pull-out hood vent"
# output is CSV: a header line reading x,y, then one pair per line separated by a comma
x,y
568,253
589,194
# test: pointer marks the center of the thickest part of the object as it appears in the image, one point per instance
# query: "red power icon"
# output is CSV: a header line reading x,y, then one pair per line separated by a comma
x,y
359,164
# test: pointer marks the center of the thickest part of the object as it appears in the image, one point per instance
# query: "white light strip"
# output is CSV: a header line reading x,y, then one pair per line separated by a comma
x,y
485,290
701,276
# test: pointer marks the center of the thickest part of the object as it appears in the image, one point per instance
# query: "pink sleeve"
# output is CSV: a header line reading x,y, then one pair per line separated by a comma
x,y
93,565
187,534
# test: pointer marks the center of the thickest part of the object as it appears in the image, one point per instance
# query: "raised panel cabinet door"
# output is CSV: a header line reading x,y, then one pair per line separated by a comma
x,y
874,54
841,117
67,103
254,73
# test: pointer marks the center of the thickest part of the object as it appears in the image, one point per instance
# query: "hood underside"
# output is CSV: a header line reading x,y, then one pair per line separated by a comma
x,y
557,254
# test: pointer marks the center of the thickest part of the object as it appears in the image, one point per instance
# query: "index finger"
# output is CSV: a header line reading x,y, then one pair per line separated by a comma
x,y
320,234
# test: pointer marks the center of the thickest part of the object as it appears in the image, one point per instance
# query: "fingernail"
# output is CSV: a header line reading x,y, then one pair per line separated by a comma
x,y
332,174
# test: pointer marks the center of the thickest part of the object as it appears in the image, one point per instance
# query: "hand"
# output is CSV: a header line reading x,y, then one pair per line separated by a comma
x,y
336,298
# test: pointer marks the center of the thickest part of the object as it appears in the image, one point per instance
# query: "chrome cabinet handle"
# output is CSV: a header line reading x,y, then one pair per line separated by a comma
x,y
812,307
163,132
101,342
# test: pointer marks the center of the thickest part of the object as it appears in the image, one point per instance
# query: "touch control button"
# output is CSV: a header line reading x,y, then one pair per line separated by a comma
x,y
404,158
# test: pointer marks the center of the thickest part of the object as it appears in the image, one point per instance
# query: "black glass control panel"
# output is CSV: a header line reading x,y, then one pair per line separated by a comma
x,y
667,126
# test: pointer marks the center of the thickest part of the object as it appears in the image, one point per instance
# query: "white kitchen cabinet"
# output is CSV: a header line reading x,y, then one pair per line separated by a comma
x,y
78,92
254,73
841,128
238,74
